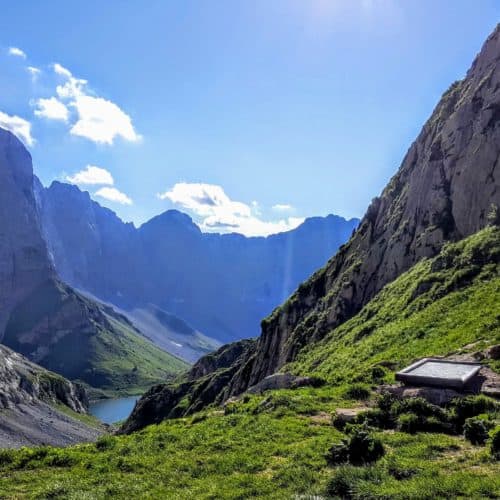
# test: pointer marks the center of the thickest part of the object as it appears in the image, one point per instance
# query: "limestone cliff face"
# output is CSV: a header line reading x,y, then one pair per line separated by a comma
x,y
44,319
24,382
23,255
442,192
32,406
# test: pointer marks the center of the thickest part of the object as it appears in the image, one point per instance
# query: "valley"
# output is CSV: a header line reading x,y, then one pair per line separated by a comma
x,y
131,364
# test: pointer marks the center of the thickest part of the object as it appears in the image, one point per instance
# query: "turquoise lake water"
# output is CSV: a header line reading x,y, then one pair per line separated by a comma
x,y
111,411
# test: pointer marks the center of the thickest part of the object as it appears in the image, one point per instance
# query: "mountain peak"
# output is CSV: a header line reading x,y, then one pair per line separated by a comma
x,y
171,218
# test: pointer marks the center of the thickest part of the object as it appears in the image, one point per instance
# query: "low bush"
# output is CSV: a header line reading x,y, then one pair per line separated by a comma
x,y
360,447
495,443
409,422
358,391
472,406
422,408
6,457
476,429
378,374
105,443
346,480
378,418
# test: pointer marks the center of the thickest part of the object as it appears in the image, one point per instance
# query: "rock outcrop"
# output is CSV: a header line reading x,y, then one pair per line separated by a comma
x,y
446,186
203,384
31,399
443,191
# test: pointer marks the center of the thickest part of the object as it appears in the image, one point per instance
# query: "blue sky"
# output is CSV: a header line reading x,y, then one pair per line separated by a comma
x,y
249,115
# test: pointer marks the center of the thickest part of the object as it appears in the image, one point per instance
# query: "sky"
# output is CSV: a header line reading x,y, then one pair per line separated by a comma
x,y
247,115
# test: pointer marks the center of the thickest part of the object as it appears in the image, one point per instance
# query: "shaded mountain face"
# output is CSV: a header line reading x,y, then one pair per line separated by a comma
x,y
24,263
46,320
443,191
222,285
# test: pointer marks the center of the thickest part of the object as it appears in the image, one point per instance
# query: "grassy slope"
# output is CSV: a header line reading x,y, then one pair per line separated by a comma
x,y
460,305
89,343
273,446
129,363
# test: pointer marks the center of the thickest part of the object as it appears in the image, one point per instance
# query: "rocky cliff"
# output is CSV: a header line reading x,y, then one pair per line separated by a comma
x,y
222,285
31,402
443,191
23,256
48,321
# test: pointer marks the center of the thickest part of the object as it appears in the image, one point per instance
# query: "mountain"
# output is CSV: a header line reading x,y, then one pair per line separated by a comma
x,y
39,407
444,191
48,321
222,285
335,423
171,333
24,263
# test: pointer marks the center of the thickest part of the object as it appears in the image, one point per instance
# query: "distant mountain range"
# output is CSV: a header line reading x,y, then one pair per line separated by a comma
x,y
220,284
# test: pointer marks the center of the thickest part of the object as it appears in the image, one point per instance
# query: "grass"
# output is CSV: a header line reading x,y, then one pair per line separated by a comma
x,y
439,306
125,363
85,418
88,342
274,445
256,450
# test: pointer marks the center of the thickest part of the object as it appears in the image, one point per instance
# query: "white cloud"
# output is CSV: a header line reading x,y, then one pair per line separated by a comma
x,y
92,175
52,109
99,119
18,126
17,52
33,71
61,70
282,207
221,214
113,194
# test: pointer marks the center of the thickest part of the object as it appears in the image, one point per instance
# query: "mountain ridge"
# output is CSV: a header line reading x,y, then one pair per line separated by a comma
x,y
170,263
48,321
446,185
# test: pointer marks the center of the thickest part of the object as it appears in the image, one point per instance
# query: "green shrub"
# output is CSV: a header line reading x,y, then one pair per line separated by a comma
x,y
364,447
338,422
472,406
409,422
476,429
378,418
422,408
495,443
360,447
338,453
105,443
59,458
409,415
435,424
346,480
357,391
378,374
6,457
386,401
